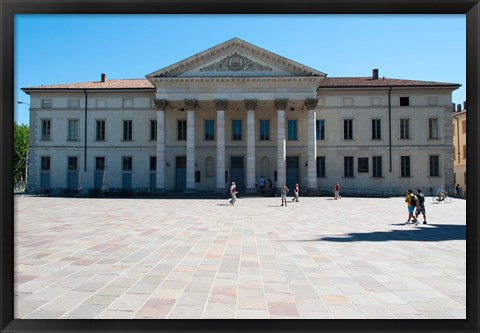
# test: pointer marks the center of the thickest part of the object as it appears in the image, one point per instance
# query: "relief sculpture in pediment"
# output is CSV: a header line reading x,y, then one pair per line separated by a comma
x,y
236,63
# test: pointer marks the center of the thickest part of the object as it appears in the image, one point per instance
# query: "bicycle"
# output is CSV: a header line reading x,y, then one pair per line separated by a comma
x,y
442,197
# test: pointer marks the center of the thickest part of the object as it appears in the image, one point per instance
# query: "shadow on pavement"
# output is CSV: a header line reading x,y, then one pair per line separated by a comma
x,y
430,233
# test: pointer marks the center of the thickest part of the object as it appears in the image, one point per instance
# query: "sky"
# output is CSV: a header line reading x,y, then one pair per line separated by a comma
x,y
57,49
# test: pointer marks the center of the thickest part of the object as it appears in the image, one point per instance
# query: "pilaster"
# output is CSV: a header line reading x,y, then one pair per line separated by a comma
x,y
160,105
311,105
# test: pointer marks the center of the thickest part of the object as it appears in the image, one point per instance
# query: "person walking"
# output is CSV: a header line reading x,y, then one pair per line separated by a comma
x,y
296,192
412,202
261,182
337,191
421,206
283,192
233,194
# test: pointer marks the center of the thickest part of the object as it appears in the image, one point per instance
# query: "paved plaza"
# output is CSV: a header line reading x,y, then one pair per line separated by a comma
x,y
203,258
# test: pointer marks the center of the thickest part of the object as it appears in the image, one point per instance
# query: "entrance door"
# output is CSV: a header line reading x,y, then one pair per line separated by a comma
x,y
180,173
293,163
236,172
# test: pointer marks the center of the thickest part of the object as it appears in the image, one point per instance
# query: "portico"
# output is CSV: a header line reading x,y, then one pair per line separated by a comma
x,y
244,85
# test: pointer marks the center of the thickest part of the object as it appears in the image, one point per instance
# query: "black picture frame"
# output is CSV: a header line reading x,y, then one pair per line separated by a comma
x,y
9,8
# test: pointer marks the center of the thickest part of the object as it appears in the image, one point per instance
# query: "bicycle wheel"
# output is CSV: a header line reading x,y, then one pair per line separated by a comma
x,y
435,199
447,199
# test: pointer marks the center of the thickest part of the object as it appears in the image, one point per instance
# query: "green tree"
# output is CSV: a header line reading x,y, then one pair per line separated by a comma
x,y
20,137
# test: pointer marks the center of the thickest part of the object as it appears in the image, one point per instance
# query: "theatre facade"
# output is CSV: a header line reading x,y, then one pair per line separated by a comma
x,y
236,112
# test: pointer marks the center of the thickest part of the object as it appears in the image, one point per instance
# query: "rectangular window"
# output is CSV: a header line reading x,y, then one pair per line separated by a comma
x,y
126,163
181,130
153,163
46,129
72,163
464,126
363,164
100,130
236,130
209,130
45,163
153,130
434,166
404,101
127,130
321,166
292,130
347,101
433,128
376,101
376,129
46,103
464,151
99,163
348,129
405,166
127,103
404,128
377,166
101,103
432,100
348,166
320,129
74,103
264,129
73,129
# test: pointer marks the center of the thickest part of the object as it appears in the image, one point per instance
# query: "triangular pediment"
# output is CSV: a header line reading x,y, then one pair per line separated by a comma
x,y
236,58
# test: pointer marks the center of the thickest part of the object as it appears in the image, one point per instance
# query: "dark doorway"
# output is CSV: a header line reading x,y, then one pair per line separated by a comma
x,y
236,172
293,164
180,173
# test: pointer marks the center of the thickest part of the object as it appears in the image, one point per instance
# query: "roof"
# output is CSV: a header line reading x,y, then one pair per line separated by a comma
x,y
108,84
329,82
350,82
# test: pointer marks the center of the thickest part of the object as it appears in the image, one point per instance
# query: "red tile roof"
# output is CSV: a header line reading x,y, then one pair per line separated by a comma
x,y
340,82
329,82
108,84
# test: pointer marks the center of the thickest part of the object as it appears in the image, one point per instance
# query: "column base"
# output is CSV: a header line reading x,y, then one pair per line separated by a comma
x,y
221,190
250,191
190,191
313,191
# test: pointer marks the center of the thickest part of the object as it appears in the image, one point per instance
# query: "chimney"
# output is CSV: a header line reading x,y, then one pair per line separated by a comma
x,y
375,74
465,105
459,107
104,77
453,107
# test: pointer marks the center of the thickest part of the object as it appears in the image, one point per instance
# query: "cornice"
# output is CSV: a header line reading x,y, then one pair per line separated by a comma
x,y
239,45
303,79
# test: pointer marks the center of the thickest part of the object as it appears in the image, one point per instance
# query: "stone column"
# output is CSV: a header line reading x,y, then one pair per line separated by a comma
x,y
281,105
190,105
221,105
250,105
311,105
160,105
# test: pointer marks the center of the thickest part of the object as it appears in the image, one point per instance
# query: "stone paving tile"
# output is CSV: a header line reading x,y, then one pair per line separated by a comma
x,y
133,258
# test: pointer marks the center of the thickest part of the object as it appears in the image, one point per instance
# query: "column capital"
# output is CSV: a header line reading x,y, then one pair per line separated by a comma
x,y
221,104
190,104
161,104
281,104
311,103
251,104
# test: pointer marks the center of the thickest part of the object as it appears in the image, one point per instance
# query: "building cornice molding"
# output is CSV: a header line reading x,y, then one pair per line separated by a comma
x,y
288,79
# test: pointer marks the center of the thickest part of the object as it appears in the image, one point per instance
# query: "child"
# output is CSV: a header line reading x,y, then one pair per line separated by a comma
x,y
284,192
